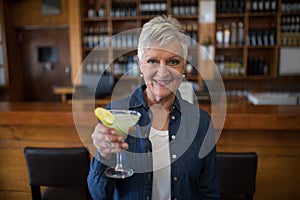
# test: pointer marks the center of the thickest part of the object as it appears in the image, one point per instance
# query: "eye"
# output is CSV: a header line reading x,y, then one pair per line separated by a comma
x,y
173,62
152,61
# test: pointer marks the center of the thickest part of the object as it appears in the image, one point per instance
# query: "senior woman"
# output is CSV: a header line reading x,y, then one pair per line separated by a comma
x,y
164,147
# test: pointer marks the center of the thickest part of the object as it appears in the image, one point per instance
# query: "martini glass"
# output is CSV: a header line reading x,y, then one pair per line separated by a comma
x,y
121,121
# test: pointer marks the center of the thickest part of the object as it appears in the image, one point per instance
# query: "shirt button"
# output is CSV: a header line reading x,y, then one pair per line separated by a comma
x,y
173,137
174,198
173,117
175,178
174,156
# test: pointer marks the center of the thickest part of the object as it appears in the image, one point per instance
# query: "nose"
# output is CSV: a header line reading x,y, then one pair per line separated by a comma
x,y
162,69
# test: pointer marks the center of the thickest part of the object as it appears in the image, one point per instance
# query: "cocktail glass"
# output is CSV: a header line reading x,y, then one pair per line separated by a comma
x,y
123,120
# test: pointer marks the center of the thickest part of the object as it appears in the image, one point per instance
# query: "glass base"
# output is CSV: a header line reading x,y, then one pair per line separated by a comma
x,y
119,174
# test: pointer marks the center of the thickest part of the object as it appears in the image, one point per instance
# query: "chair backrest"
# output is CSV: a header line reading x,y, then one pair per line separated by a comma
x,y
57,167
237,173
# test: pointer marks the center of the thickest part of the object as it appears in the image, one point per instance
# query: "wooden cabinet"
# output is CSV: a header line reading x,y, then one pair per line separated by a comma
x,y
250,33
4,81
247,36
289,23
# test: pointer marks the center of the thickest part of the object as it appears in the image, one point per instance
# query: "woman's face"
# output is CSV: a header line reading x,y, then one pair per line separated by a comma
x,y
162,69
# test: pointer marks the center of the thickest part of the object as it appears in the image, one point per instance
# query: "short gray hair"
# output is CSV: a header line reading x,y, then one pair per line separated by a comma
x,y
162,30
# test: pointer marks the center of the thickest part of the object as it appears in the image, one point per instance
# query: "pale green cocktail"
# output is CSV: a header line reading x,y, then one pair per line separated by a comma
x,y
124,120
121,121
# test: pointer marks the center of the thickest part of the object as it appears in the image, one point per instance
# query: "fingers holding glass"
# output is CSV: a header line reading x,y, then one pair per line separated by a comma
x,y
107,141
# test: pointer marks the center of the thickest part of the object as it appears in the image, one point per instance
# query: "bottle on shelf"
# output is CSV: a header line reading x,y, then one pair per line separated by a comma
x,y
233,35
123,8
260,6
219,60
101,10
240,33
91,11
226,35
265,36
241,7
181,7
290,6
267,6
229,66
259,35
219,34
254,6
273,5
124,40
262,35
118,66
184,7
252,36
230,6
194,7
272,36
175,7
153,8
132,67
90,37
257,65
94,36
126,65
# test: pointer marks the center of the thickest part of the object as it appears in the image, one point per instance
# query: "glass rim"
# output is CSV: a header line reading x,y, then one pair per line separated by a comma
x,y
125,111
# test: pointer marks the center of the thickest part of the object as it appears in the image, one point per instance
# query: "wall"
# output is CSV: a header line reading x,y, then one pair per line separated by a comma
x,y
21,14
28,13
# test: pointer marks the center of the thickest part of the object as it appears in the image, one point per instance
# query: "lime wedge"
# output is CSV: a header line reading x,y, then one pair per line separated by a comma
x,y
105,116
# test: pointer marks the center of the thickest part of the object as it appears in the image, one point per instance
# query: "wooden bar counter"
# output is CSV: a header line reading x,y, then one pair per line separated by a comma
x,y
271,131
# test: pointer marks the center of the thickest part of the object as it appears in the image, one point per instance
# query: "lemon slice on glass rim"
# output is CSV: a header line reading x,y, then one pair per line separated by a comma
x,y
105,116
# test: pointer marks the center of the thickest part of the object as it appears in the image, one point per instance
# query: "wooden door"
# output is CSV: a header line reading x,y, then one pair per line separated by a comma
x,y
46,63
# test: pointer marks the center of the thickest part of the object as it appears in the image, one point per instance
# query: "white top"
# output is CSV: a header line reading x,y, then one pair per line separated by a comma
x,y
161,187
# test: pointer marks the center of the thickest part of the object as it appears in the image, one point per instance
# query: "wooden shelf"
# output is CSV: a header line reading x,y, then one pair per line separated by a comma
x,y
244,52
253,21
130,18
289,13
229,47
262,47
94,19
263,14
230,15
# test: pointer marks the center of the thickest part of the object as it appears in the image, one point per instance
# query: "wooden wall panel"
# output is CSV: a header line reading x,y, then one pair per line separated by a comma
x,y
75,40
28,13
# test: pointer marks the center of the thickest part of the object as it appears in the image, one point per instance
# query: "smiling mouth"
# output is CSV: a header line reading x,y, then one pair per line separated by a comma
x,y
162,83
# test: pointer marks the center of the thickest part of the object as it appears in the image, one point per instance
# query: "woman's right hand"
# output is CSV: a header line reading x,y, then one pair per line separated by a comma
x,y
107,141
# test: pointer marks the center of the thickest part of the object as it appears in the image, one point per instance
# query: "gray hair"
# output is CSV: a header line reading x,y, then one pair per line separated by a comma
x,y
162,30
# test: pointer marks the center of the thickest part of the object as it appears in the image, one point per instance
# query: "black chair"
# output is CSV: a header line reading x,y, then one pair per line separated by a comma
x,y
237,173
63,172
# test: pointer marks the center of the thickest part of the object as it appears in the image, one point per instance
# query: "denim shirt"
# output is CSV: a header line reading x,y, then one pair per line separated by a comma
x,y
192,155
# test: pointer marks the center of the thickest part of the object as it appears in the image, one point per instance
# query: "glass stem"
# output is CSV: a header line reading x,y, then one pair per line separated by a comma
x,y
119,166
